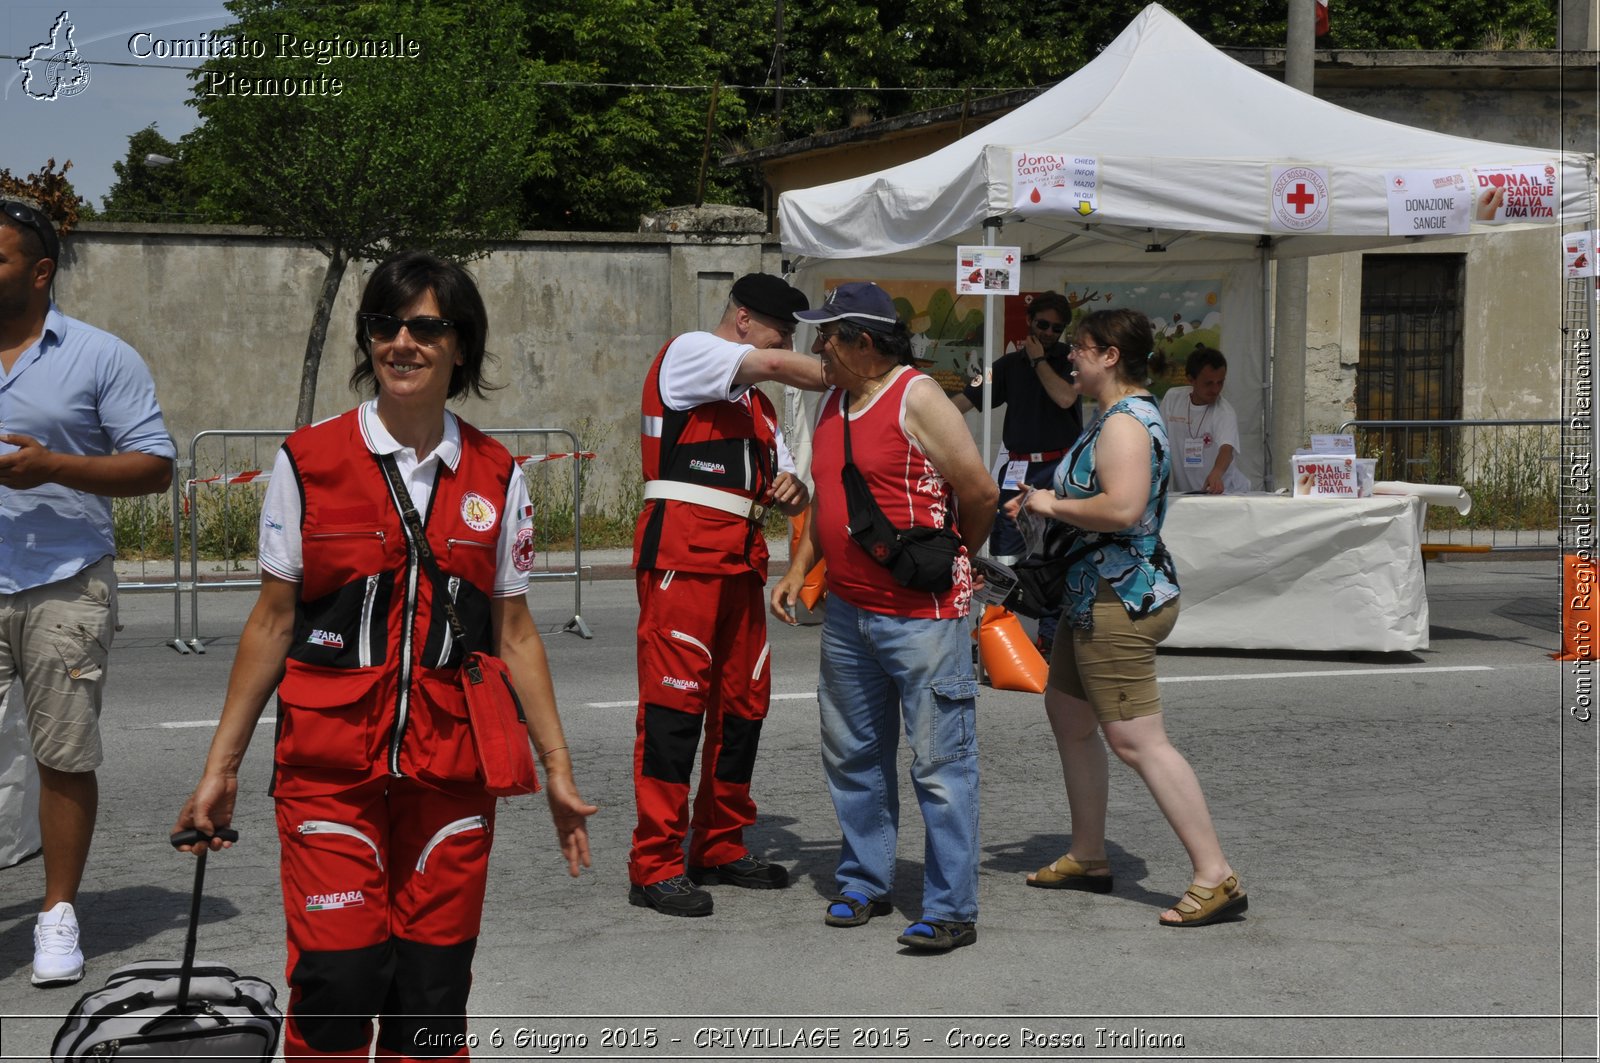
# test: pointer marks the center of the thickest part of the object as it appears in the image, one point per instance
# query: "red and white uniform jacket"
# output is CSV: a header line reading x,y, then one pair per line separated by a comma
x,y
730,446
371,685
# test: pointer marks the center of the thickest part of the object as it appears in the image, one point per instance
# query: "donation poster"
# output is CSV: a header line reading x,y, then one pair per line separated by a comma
x,y
1054,183
1578,252
1514,193
1428,202
982,270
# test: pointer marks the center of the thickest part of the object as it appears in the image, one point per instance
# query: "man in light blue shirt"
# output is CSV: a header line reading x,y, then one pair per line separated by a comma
x,y
79,425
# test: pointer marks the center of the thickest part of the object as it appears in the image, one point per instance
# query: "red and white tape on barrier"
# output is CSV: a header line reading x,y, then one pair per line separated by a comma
x,y
248,476
533,459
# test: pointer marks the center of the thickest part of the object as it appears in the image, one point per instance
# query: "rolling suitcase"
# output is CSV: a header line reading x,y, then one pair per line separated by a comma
x,y
157,1009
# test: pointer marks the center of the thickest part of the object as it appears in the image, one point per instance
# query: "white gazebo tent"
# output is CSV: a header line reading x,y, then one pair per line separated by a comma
x,y
1181,145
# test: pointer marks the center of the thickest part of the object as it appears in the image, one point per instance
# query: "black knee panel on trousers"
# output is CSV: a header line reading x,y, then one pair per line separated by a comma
x,y
737,761
670,738
339,993
425,1016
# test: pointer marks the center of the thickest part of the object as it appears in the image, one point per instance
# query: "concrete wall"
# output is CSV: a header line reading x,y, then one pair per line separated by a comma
x,y
221,316
1511,328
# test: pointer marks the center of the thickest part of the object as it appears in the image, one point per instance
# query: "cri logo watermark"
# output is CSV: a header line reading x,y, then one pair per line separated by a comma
x,y
53,69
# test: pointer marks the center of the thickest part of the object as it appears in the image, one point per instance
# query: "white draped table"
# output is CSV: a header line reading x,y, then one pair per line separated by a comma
x,y
1270,572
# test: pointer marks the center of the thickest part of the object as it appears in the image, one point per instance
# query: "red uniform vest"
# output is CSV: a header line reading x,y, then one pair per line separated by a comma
x,y
731,446
371,685
907,487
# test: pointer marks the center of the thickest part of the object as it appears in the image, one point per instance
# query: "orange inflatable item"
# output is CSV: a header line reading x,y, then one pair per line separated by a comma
x,y
1010,658
812,590
1580,609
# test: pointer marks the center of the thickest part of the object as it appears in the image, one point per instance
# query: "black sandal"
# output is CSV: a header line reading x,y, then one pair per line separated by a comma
x,y
946,935
861,909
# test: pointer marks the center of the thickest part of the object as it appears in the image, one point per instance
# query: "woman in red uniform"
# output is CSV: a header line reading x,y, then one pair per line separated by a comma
x,y
384,825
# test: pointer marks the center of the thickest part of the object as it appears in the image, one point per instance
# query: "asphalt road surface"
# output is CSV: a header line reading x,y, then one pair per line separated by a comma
x,y
1416,831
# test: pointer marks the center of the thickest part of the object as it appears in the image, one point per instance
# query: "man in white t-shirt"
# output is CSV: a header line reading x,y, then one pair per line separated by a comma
x,y
714,462
1203,429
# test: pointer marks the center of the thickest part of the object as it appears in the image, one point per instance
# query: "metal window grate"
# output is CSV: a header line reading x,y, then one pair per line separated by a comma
x,y
1410,368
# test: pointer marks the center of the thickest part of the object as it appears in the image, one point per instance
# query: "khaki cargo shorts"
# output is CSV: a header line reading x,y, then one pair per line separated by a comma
x,y
1113,666
54,642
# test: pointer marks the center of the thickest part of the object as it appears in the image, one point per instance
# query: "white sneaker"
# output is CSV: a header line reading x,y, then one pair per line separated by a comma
x,y
57,959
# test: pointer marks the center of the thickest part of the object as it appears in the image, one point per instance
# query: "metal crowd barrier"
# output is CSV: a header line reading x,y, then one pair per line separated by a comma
x,y
1511,468
221,512
136,523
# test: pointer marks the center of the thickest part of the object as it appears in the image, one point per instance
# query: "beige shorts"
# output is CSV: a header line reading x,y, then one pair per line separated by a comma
x,y
1112,666
56,640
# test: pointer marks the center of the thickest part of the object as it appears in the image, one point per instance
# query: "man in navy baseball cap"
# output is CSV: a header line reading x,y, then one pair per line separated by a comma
x,y
860,302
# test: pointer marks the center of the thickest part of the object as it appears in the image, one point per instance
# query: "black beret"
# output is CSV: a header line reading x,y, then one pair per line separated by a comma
x,y
769,295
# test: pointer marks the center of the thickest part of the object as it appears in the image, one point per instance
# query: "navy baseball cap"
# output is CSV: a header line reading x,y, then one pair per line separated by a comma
x,y
769,295
860,302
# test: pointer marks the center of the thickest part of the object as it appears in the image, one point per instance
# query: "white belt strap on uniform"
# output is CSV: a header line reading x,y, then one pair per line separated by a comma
x,y
710,497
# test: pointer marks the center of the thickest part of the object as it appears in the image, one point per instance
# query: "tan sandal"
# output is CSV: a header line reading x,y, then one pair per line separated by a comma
x,y
1069,874
1204,905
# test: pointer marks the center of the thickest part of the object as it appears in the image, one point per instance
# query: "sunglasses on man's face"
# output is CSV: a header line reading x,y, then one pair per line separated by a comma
x,y
26,215
425,330
1052,327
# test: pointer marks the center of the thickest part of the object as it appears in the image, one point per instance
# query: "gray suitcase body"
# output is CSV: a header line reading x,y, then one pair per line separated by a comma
x,y
137,1016
158,1009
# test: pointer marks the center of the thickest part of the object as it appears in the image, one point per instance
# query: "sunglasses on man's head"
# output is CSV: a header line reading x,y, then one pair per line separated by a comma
x,y
1050,326
385,327
26,215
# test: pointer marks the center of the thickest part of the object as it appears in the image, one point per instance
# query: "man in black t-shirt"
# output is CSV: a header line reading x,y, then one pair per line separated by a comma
x,y
1043,418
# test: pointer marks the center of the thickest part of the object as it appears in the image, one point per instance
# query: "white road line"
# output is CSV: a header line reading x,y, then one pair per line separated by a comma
x,y
808,696
811,695
182,724
1321,675
1179,679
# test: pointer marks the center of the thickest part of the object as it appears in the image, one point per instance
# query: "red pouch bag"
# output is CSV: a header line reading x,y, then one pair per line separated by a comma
x,y
499,728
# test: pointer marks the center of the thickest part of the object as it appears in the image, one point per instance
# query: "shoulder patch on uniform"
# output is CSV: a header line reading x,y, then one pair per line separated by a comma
x,y
522,551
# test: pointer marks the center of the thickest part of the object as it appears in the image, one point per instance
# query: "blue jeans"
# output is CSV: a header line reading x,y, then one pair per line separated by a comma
x,y
875,669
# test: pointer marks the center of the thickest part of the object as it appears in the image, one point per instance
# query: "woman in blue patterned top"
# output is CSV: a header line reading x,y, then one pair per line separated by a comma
x,y
1121,600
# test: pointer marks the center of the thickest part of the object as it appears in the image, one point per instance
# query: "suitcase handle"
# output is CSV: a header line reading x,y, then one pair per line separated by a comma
x,y
194,835
180,839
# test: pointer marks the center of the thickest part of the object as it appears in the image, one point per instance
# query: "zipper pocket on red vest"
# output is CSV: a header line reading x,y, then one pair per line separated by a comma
x,y
367,533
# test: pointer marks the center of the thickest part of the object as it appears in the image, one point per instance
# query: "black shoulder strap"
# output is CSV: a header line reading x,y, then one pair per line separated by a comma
x,y
419,543
850,463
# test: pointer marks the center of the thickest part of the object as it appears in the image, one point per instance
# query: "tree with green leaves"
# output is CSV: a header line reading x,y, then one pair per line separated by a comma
x,y
605,152
150,190
937,47
425,146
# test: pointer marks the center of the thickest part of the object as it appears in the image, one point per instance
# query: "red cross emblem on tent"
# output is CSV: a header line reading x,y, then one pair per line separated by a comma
x,y
1299,199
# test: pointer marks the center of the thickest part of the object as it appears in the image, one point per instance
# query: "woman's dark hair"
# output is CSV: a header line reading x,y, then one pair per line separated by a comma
x,y
399,281
895,344
1130,333
1203,357
1050,301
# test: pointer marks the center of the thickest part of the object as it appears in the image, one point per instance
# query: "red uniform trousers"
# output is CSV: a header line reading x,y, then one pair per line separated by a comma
x,y
702,656
383,889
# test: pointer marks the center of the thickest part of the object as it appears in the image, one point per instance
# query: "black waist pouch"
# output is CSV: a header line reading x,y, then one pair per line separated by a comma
x,y
922,559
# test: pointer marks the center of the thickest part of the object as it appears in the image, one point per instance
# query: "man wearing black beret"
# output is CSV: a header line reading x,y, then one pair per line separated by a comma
x,y
714,463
